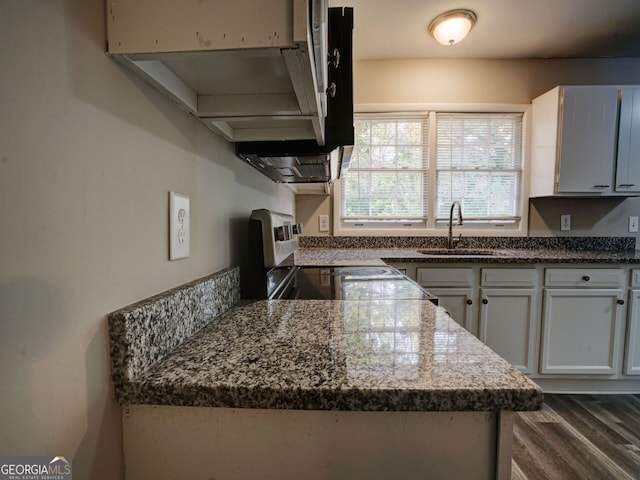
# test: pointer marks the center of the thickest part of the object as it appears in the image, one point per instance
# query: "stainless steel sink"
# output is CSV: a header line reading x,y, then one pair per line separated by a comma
x,y
469,252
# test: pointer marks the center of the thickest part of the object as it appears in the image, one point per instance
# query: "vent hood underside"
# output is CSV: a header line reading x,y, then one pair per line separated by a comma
x,y
305,161
320,168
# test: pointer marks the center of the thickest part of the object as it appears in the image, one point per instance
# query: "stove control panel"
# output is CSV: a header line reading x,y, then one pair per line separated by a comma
x,y
278,235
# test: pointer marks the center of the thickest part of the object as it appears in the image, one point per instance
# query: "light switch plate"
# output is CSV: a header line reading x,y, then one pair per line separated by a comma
x,y
633,224
179,222
565,222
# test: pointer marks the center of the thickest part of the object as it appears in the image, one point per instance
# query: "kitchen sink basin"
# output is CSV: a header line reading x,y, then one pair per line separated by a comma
x,y
471,252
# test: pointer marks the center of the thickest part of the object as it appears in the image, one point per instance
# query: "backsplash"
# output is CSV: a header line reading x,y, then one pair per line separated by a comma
x,y
145,332
602,244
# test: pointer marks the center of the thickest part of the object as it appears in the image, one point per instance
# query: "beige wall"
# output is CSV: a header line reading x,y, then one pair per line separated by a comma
x,y
430,82
88,155
481,81
309,208
589,216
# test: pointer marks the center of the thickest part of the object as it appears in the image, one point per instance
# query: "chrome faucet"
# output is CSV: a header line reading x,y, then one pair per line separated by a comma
x,y
451,242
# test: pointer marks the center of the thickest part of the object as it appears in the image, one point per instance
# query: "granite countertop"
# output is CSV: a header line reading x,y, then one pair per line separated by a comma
x,y
378,250
369,355
373,355
381,256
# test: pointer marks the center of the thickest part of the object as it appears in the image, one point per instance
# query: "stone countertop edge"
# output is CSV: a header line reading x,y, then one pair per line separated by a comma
x,y
558,244
301,354
306,257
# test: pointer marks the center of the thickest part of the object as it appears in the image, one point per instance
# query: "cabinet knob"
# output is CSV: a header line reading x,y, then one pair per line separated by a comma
x,y
334,58
620,301
331,90
586,278
485,301
469,301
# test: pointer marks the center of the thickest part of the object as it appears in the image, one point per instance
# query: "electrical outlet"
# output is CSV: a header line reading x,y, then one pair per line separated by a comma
x,y
323,223
179,222
633,224
565,222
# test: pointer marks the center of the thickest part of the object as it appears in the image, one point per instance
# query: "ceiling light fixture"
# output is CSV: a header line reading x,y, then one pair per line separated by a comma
x,y
451,27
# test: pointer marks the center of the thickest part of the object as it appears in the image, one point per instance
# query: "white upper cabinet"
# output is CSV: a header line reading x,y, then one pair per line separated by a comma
x,y
587,132
585,142
250,70
628,166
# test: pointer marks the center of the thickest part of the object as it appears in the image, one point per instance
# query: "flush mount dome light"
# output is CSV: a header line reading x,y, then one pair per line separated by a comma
x,y
451,27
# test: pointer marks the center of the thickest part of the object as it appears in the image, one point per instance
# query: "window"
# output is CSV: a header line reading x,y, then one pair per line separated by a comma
x,y
387,177
477,160
479,163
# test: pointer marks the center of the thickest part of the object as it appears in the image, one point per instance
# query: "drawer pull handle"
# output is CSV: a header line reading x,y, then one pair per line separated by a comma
x,y
469,301
626,185
586,278
601,186
620,301
485,301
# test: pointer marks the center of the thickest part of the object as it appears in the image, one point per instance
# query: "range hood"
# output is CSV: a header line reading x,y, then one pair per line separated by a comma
x,y
306,161
304,167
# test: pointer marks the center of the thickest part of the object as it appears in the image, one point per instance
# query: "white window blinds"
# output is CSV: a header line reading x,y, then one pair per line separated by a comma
x,y
387,179
477,160
479,163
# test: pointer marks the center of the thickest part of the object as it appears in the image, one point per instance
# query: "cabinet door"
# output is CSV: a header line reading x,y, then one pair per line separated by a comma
x,y
580,331
589,117
628,164
508,323
632,351
459,303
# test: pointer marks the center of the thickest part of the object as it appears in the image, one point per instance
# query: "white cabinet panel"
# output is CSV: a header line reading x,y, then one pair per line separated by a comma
x,y
628,163
632,347
508,320
585,277
587,139
509,277
459,303
455,289
581,331
445,277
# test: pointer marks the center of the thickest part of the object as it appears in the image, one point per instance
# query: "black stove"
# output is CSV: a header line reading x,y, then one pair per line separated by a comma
x,y
273,274
346,283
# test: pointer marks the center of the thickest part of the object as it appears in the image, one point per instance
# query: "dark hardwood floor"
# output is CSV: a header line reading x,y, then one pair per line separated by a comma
x,y
579,437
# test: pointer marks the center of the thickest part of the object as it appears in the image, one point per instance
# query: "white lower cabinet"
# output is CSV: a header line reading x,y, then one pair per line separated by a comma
x,y
459,304
572,328
581,326
509,314
508,320
455,289
632,344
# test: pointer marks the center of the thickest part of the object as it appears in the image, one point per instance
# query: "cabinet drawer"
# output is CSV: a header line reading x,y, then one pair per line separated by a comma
x,y
445,277
635,278
509,277
584,277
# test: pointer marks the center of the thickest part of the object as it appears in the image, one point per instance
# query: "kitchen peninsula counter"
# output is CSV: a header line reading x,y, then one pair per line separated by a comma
x,y
289,389
335,355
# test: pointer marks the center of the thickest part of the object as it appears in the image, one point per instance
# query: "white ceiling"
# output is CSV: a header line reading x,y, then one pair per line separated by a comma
x,y
505,28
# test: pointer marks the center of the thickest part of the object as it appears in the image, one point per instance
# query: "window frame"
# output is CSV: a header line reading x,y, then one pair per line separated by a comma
x,y
431,227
